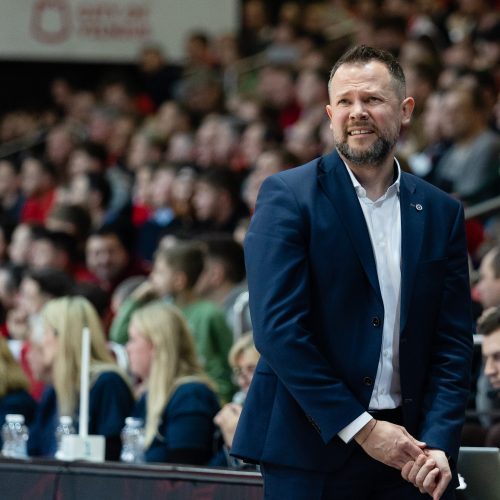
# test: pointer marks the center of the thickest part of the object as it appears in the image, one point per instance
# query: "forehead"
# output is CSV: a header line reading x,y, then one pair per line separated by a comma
x,y
103,241
491,343
371,75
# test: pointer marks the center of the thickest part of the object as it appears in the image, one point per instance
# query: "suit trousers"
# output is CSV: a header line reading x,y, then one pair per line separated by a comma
x,y
361,478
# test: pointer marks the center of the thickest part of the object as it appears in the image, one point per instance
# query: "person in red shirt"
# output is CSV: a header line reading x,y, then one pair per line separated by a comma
x,y
38,186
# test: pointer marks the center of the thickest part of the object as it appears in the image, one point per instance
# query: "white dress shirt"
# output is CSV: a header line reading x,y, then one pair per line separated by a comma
x,y
383,219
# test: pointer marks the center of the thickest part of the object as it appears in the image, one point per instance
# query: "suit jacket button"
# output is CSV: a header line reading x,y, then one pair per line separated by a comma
x,y
376,321
367,381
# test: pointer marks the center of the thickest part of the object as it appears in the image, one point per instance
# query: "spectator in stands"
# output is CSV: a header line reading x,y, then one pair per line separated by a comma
x,y
199,52
93,158
175,273
216,142
487,293
37,287
312,96
92,191
110,398
14,396
487,288
223,278
178,402
268,163
53,249
257,137
243,358
216,201
157,77
87,157
423,162
276,88
20,244
38,183
489,328
10,278
11,199
163,219
256,32
123,291
144,149
60,143
302,140
108,257
469,168
73,220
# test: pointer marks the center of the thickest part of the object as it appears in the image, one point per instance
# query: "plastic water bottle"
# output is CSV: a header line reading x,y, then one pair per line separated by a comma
x,y
65,428
132,441
15,437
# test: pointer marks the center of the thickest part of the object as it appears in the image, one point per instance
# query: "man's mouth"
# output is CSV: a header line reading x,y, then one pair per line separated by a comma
x,y
359,132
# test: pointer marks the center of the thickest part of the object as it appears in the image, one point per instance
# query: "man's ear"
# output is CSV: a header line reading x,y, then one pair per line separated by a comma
x,y
407,107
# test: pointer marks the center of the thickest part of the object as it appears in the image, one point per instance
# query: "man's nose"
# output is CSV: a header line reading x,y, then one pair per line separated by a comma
x,y
358,110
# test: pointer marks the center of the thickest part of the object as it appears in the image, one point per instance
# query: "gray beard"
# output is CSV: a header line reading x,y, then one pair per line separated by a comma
x,y
373,156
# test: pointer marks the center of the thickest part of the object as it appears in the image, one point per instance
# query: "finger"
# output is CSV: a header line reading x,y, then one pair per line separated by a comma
x,y
419,463
430,482
406,469
424,471
441,485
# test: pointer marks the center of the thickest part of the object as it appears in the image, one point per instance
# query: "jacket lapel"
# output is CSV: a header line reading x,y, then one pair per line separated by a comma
x,y
412,228
337,185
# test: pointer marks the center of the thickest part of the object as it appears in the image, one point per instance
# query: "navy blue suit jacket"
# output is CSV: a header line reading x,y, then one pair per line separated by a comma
x,y
317,315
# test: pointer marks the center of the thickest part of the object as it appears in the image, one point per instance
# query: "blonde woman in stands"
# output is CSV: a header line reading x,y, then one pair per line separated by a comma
x,y
110,397
178,403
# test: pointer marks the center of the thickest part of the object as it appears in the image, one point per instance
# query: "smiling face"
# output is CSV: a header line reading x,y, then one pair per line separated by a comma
x,y
366,112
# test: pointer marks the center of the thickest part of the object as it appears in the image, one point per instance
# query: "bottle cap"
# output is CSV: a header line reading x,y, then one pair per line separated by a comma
x,y
133,422
14,418
65,420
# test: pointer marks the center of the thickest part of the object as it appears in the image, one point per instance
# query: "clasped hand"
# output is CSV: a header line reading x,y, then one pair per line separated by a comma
x,y
391,444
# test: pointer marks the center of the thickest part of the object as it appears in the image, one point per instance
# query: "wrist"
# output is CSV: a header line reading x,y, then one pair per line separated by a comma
x,y
364,432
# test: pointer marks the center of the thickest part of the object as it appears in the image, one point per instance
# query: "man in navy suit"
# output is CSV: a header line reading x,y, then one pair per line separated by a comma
x,y
359,298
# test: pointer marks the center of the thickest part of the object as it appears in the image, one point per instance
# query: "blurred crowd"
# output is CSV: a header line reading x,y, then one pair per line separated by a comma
x,y
124,207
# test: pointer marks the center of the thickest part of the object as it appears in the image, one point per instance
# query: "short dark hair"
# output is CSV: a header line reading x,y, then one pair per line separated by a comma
x,y
98,182
229,252
363,54
222,180
186,257
76,215
52,282
118,230
489,322
58,239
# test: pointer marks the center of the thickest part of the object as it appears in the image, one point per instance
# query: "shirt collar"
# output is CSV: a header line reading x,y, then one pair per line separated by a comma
x,y
361,191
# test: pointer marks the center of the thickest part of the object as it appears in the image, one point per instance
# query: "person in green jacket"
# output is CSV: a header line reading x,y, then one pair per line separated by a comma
x,y
175,272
